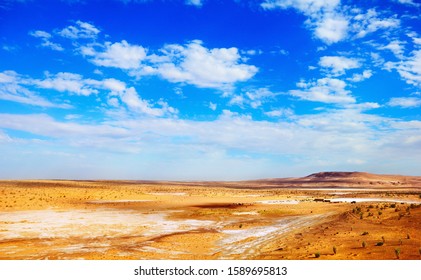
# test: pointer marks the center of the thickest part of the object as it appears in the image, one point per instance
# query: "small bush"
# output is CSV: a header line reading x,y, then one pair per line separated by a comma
x,y
365,244
365,233
397,252
361,216
317,255
408,236
334,250
379,244
392,205
380,213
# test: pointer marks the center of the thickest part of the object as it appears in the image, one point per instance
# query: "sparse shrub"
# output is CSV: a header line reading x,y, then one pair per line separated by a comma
x,y
365,233
379,244
392,205
334,250
408,236
317,255
240,226
397,252
364,244
380,213
361,216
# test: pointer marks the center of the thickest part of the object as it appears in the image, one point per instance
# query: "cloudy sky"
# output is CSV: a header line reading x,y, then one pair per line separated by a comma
x,y
213,90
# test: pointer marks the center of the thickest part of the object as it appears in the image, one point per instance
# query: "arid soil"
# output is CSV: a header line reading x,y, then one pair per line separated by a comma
x,y
330,215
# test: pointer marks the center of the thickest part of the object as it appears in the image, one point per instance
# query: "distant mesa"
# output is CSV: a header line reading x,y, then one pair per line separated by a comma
x,y
330,175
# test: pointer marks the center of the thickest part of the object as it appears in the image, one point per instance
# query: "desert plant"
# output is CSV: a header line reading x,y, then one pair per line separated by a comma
x,y
365,233
397,252
317,255
408,236
334,250
364,244
361,216
380,212
379,244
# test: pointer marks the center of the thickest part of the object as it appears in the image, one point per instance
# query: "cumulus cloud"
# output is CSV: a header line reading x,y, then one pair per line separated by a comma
x,y
366,74
326,90
331,29
396,47
254,98
120,55
12,88
82,30
371,21
68,82
324,17
408,2
281,112
338,64
209,68
197,3
15,88
333,22
45,37
405,102
409,69
131,98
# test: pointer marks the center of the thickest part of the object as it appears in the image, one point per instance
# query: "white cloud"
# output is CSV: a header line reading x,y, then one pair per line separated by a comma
x,y
408,2
324,17
197,3
40,34
371,21
305,6
396,47
254,98
405,102
326,90
120,55
82,30
208,68
212,106
68,82
11,89
45,37
135,103
409,69
338,64
287,112
361,77
331,29
333,22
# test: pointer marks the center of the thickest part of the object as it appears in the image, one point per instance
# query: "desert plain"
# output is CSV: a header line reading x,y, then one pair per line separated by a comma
x,y
327,215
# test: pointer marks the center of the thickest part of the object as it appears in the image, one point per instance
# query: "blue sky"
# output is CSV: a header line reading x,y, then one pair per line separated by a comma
x,y
208,90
